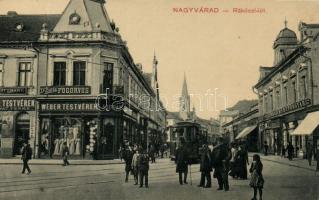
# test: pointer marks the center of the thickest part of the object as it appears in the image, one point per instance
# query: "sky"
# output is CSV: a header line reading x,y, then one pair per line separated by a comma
x,y
220,53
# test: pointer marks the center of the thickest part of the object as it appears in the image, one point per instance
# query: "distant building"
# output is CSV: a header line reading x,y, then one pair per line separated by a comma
x,y
211,127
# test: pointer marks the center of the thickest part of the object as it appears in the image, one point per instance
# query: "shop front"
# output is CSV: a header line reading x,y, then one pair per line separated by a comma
x,y
88,132
17,125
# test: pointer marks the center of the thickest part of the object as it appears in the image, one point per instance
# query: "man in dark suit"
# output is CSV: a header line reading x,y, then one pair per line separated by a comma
x,y
205,167
220,157
26,156
181,160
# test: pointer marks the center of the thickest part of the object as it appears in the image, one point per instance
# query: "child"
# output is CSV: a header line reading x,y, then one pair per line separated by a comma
x,y
257,180
135,160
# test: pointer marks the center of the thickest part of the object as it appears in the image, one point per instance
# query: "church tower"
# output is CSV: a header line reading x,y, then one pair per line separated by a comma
x,y
184,102
154,80
284,44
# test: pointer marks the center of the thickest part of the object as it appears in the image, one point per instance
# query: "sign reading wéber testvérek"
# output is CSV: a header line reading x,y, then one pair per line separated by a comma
x,y
17,104
65,90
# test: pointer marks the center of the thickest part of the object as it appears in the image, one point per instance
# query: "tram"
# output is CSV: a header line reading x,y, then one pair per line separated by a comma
x,y
194,136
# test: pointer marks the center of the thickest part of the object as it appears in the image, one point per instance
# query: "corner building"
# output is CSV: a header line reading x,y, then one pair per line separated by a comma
x,y
62,64
288,91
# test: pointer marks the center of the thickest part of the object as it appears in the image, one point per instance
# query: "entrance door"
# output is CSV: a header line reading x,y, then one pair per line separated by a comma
x,y
107,140
22,133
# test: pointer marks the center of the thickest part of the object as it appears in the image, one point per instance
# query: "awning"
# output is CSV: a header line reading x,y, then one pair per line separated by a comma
x,y
246,131
308,125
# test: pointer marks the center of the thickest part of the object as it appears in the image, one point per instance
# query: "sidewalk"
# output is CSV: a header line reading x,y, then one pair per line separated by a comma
x,y
296,162
16,161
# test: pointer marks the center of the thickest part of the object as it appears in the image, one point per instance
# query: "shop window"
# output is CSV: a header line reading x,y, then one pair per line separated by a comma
x,y
1,74
108,77
66,130
79,69
59,75
24,74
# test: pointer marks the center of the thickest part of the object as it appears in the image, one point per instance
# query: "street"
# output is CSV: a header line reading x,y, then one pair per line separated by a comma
x,y
107,182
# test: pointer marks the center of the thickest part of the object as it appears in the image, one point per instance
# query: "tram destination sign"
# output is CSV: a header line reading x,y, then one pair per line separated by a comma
x,y
65,90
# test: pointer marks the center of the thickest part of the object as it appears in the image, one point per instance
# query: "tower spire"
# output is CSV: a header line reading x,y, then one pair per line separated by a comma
x,y
286,22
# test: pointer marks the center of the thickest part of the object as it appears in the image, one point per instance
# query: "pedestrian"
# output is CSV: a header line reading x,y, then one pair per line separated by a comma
x,y
221,156
317,159
65,154
309,153
205,167
135,161
257,179
243,162
266,148
181,160
143,167
152,152
128,156
290,150
26,156
121,153
283,151
233,161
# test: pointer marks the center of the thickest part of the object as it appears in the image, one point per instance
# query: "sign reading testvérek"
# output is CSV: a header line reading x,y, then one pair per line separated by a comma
x,y
65,90
23,104
68,106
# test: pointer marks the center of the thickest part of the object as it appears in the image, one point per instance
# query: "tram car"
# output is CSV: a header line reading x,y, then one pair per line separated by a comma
x,y
194,136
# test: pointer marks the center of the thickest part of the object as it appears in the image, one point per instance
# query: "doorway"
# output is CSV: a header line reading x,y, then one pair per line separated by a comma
x,y
22,132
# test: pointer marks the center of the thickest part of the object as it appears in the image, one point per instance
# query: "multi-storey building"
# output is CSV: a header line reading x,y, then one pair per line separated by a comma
x,y
288,91
71,78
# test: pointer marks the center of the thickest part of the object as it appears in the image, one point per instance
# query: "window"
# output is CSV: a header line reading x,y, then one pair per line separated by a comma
x,y
271,102
1,74
294,91
59,73
286,95
278,98
108,77
266,104
79,73
24,74
303,87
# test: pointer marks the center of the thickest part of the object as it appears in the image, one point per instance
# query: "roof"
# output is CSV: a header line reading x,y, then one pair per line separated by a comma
x,y
148,78
226,113
32,25
286,37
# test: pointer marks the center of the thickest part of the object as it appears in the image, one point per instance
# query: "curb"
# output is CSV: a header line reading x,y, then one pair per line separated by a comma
x,y
292,165
72,162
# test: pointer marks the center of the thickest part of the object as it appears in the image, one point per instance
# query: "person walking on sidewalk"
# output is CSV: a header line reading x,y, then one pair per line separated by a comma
x,y
257,179
205,167
26,156
290,150
309,153
65,154
317,159
135,161
143,167
181,160
266,148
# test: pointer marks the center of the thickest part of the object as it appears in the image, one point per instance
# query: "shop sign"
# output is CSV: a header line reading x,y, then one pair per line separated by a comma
x,y
12,90
60,107
65,90
295,106
17,104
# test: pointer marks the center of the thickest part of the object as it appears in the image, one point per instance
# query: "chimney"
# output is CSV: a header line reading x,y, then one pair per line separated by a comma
x,y
12,13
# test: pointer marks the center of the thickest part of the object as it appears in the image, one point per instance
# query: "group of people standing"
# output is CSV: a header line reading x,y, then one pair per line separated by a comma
x,y
136,163
222,161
